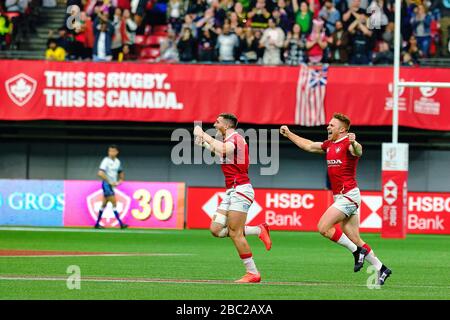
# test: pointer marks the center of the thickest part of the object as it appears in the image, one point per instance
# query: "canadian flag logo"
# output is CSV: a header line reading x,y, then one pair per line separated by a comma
x,y
20,88
210,207
94,203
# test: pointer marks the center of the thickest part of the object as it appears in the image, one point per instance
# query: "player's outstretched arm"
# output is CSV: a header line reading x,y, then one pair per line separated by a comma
x,y
218,147
302,143
355,147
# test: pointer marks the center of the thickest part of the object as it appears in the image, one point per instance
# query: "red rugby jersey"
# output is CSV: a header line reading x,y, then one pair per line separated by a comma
x,y
235,166
341,165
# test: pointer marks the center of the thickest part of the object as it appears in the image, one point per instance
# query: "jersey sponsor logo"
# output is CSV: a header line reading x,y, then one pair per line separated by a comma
x,y
20,88
94,203
334,162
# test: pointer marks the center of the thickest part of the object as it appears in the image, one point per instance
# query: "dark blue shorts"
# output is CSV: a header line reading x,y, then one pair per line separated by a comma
x,y
108,190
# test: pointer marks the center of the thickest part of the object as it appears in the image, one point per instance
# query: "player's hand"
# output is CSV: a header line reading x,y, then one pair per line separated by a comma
x,y
284,130
198,131
115,184
198,141
351,137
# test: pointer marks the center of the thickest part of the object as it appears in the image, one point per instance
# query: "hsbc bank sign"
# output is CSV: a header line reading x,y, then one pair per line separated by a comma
x,y
281,209
300,210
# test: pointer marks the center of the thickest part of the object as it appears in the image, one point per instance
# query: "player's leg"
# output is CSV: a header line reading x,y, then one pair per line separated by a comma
x,y
218,225
328,228
350,227
236,224
113,200
100,213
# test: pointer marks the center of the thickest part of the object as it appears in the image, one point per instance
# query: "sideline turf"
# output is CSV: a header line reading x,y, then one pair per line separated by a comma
x,y
313,267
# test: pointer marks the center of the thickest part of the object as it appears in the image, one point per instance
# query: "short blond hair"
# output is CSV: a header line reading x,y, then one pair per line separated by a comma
x,y
343,118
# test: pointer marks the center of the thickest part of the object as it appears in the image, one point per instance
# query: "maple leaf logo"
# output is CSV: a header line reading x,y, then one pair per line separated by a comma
x,y
20,88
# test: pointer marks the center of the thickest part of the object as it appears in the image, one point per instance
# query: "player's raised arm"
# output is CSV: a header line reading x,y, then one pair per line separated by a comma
x,y
302,143
216,146
355,148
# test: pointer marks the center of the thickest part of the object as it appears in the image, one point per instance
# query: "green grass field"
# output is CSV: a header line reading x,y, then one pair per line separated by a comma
x,y
299,266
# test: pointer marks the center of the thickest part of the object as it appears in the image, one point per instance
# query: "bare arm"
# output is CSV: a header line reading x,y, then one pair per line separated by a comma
x,y
216,146
302,143
355,148
295,5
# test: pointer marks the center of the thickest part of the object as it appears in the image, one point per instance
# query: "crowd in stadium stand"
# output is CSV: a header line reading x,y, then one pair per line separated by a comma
x,y
268,32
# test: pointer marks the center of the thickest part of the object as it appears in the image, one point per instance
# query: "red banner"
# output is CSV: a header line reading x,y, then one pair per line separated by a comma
x,y
367,93
300,210
35,90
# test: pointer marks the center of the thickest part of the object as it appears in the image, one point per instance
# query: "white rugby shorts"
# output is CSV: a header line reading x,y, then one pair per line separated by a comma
x,y
349,202
239,198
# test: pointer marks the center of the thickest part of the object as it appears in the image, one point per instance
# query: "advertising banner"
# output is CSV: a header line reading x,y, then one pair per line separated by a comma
x,y
76,204
394,181
31,202
283,209
33,90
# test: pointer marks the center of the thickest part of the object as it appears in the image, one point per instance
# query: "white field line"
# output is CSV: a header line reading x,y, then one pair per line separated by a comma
x,y
101,255
213,282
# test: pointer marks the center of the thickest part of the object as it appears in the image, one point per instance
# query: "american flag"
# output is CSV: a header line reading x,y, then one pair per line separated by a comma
x,y
311,87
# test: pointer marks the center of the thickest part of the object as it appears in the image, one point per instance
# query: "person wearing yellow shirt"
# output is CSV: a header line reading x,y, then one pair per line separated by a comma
x,y
54,52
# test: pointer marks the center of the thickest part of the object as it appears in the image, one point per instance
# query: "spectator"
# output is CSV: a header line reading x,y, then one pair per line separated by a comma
x,y
175,10
407,60
207,45
54,52
413,50
259,15
85,35
339,43
187,46
330,16
353,13
272,40
384,56
242,15
361,41
168,48
248,46
444,8
316,42
16,6
295,45
196,7
284,16
63,40
421,21
103,33
118,38
227,44
234,21
125,54
388,35
304,15
128,29
5,28
260,50
189,22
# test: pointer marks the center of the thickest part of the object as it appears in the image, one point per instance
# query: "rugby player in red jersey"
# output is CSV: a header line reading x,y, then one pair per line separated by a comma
x,y
342,153
231,215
